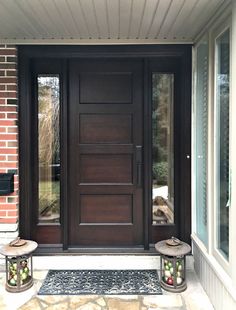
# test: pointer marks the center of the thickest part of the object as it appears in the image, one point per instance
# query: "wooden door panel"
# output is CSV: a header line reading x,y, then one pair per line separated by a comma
x,y
106,209
107,87
105,126
104,236
105,168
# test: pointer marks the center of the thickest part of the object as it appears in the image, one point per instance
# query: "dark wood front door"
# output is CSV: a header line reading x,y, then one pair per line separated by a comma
x,y
105,152
120,146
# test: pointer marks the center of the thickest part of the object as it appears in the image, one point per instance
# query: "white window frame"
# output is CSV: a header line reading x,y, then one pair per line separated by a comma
x,y
214,248
225,270
204,38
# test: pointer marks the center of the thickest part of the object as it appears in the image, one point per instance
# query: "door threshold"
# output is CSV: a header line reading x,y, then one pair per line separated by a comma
x,y
58,250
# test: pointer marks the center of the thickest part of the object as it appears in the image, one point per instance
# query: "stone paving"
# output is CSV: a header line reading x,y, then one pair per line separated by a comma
x,y
105,303
194,298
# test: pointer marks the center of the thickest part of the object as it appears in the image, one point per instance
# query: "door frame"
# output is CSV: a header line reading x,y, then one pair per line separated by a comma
x,y
27,55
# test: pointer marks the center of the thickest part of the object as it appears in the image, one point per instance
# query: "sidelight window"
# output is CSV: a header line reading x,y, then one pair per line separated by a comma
x,y
48,148
222,143
162,148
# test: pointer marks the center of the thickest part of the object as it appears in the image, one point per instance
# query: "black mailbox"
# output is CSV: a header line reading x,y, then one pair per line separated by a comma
x,y
6,183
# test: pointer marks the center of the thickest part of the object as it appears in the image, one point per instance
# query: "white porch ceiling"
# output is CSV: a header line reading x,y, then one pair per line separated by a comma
x,y
104,21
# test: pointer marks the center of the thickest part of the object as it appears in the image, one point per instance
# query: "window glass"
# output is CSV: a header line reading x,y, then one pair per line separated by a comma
x,y
162,148
201,132
49,148
222,142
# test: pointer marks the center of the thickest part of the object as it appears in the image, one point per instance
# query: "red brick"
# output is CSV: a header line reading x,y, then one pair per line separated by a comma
x,y
16,178
2,101
3,213
7,123
2,73
7,206
12,115
8,94
12,129
12,144
12,213
12,158
8,220
11,59
6,80
7,108
8,165
2,200
8,52
2,87
11,87
11,73
8,151
7,137
7,66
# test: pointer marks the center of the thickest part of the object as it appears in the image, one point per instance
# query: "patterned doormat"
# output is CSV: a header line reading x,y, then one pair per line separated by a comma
x,y
101,282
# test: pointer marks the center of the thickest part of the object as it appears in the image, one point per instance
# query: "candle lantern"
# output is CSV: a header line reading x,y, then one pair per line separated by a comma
x,y
173,264
19,267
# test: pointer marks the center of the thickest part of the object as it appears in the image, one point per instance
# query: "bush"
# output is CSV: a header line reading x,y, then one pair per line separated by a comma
x,y
160,172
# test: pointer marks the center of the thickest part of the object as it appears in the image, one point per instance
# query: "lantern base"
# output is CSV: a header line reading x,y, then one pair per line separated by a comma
x,y
171,288
18,289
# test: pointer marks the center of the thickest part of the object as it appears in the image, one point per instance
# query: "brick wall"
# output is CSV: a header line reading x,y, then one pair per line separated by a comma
x,y
8,136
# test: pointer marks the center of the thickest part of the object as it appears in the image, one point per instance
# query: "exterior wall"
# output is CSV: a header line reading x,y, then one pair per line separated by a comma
x,y
216,273
219,287
8,140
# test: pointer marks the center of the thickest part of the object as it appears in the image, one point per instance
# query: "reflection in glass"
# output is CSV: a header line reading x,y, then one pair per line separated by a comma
x,y
201,141
49,148
222,127
162,148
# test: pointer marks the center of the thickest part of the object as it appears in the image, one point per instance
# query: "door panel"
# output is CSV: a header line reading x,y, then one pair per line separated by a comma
x,y
107,87
106,209
106,168
105,126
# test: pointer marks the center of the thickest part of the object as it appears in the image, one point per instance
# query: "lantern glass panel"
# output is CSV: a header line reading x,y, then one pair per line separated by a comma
x,y
18,271
173,270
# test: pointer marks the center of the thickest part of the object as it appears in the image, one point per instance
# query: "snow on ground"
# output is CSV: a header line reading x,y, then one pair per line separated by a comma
x,y
160,191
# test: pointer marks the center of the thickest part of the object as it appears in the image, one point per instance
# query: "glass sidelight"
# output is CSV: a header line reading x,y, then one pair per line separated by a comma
x,y
48,148
222,141
162,148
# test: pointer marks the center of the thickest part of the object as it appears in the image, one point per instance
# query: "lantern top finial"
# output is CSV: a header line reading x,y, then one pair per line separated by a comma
x,y
172,247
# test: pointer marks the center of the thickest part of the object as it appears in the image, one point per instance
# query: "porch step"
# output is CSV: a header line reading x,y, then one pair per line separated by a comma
x,y
101,262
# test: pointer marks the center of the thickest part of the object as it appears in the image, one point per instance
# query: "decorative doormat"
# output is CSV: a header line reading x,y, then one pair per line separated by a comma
x,y
101,282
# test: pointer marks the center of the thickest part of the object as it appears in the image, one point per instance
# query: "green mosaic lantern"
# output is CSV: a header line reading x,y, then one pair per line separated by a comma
x,y
19,265
173,264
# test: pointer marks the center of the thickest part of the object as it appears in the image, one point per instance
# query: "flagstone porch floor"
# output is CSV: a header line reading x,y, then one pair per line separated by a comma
x,y
194,298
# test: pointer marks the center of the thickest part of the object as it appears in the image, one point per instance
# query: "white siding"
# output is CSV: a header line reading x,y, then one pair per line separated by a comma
x,y
212,283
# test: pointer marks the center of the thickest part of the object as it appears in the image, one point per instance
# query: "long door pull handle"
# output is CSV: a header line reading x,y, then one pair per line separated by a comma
x,y
139,174
139,165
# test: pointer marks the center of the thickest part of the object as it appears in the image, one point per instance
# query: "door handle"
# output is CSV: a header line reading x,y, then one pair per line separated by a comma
x,y
139,165
139,174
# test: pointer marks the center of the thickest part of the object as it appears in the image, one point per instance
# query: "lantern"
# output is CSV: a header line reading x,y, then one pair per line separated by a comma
x,y
173,264
19,267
